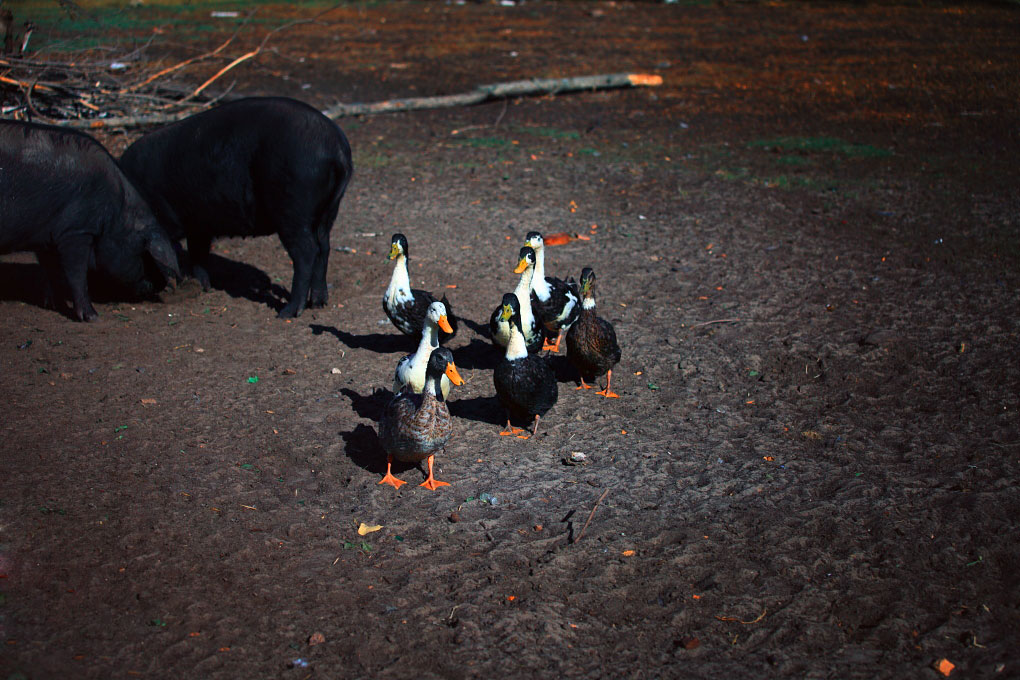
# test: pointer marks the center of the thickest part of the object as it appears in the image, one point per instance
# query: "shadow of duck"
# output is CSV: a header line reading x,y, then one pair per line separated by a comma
x,y
383,343
478,409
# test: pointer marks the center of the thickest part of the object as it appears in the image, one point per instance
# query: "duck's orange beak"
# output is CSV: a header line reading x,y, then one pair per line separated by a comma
x,y
521,266
453,375
444,324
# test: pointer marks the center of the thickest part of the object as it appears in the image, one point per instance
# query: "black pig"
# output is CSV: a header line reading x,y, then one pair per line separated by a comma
x,y
252,167
63,197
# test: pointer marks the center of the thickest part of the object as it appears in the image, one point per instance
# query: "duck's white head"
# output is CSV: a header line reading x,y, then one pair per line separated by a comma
x,y
535,240
436,315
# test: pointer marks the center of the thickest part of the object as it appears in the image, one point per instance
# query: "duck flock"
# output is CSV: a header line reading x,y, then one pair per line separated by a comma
x,y
532,319
265,165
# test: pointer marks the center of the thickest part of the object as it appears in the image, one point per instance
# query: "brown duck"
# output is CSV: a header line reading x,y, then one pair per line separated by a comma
x,y
416,426
591,341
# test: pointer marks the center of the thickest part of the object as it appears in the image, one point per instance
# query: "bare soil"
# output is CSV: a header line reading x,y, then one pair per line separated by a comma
x,y
808,240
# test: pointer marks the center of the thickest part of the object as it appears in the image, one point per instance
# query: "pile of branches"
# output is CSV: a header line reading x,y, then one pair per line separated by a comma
x,y
105,87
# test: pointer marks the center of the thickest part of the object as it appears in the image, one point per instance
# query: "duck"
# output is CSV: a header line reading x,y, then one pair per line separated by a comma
x,y
416,426
500,327
591,340
412,369
406,307
525,383
556,301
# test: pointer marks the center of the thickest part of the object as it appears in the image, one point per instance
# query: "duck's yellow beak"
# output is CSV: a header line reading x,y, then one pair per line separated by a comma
x,y
521,266
444,324
394,251
508,313
452,374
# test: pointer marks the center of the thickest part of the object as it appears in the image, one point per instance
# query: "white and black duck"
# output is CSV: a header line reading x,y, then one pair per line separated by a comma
x,y
556,302
411,369
406,307
499,327
525,383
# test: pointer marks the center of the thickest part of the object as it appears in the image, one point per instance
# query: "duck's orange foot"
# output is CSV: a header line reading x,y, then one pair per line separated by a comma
x,y
431,482
392,481
389,478
583,386
608,393
510,430
553,347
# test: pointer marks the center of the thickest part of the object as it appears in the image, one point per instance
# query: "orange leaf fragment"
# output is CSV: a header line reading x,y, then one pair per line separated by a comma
x,y
945,667
559,238
148,402
628,553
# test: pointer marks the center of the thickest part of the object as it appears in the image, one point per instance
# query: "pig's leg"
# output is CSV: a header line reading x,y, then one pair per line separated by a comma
x,y
302,248
73,253
53,284
319,293
198,252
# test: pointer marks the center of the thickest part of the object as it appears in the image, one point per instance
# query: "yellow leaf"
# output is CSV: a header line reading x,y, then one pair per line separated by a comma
x,y
366,529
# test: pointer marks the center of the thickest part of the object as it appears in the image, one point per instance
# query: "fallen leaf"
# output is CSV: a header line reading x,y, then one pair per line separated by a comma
x,y
690,642
148,402
811,434
316,639
366,529
629,553
559,238
945,667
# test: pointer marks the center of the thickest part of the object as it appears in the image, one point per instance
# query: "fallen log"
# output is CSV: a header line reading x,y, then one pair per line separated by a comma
x,y
482,93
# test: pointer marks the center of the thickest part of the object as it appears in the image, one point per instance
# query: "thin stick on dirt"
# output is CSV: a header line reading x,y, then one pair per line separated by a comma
x,y
746,623
709,323
482,93
590,515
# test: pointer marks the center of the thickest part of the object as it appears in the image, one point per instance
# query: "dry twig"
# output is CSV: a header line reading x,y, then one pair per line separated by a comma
x,y
590,515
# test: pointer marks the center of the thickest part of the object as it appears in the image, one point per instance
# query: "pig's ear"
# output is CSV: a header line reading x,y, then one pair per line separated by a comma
x,y
162,252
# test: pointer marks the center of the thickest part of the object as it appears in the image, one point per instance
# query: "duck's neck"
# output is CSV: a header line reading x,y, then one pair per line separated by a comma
x,y
399,289
588,303
523,293
429,341
432,387
538,283
517,348
429,336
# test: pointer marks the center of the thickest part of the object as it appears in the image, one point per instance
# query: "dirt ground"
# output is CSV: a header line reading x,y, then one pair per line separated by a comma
x,y
808,240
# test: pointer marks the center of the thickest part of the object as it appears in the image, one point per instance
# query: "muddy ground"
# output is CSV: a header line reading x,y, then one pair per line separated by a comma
x,y
808,240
